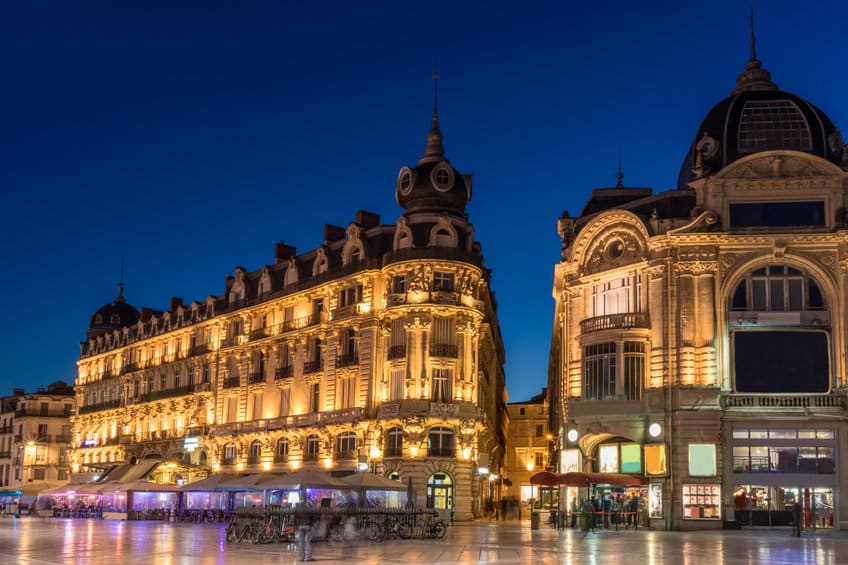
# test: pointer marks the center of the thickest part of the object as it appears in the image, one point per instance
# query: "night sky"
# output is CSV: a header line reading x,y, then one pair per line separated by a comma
x,y
188,138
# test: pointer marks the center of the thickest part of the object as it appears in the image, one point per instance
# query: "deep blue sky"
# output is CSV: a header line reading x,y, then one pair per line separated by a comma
x,y
190,137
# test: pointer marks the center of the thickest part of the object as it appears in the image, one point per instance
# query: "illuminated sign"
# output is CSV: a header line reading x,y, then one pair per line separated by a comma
x,y
89,443
191,443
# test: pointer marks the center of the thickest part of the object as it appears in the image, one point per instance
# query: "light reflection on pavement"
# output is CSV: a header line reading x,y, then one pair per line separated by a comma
x,y
45,540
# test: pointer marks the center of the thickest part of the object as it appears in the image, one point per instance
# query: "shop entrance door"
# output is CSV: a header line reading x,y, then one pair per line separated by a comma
x,y
440,493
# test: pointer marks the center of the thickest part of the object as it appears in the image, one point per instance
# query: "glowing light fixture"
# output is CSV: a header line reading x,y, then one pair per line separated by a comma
x,y
572,435
655,429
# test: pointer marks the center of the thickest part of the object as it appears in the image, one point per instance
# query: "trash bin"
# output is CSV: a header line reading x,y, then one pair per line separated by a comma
x,y
535,519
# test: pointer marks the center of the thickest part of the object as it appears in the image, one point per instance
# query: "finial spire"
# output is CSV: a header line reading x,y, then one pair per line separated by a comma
x,y
753,40
754,77
619,175
436,89
120,297
434,151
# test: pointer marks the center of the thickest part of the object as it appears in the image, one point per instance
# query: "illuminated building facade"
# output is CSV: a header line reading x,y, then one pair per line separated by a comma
x,y
380,349
35,435
528,447
700,333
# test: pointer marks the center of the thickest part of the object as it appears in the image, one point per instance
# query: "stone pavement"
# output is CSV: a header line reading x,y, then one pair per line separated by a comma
x,y
50,540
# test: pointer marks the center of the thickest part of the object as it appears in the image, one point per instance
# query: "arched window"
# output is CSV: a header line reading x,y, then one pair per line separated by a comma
x,y
777,288
346,445
229,456
282,453
255,452
313,448
394,442
779,328
440,442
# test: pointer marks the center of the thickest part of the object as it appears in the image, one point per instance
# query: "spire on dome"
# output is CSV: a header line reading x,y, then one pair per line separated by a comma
x,y
434,151
120,297
619,175
754,77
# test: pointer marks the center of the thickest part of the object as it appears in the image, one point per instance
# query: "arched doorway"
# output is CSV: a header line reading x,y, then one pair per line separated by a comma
x,y
440,492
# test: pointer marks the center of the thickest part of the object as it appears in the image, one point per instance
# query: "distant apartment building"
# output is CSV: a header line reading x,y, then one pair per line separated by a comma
x,y
35,435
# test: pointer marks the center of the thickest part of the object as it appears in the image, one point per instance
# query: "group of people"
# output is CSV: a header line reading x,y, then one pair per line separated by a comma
x,y
609,511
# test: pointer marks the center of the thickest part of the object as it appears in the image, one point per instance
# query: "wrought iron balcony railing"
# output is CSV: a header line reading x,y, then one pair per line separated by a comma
x,y
615,322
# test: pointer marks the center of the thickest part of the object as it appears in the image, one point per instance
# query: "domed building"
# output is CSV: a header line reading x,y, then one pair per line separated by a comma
x,y
697,359
380,350
113,316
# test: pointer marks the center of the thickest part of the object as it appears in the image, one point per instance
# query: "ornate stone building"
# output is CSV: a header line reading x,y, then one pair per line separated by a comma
x,y
700,333
381,347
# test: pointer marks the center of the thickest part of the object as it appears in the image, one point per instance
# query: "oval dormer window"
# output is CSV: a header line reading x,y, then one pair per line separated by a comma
x,y
442,177
404,183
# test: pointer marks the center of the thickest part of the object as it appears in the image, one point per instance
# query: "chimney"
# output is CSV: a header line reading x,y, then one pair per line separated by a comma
x,y
176,302
333,233
283,252
367,220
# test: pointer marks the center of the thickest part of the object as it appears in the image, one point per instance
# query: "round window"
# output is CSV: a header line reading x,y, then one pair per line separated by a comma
x,y
615,249
404,183
442,178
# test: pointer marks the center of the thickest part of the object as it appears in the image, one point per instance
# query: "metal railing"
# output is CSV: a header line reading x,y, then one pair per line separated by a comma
x,y
615,322
300,323
101,406
231,382
285,372
397,352
166,393
312,367
347,360
254,378
444,350
782,401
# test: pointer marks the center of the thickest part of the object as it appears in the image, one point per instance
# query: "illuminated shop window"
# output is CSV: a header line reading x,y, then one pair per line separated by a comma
x,y
631,458
608,457
655,459
702,460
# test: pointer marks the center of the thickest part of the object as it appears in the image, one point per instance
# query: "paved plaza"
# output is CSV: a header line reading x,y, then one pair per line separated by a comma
x,y
45,540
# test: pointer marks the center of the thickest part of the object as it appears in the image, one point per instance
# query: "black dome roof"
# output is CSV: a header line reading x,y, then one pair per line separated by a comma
x,y
112,316
756,117
434,185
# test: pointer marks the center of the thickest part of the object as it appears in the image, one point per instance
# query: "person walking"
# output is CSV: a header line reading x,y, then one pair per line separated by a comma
x,y
796,519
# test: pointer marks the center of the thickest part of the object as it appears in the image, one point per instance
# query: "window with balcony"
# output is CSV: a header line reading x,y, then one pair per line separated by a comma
x,y
441,387
440,442
313,448
347,354
616,296
394,442
443,340
255,455
281,454
397,341
229,454
346,446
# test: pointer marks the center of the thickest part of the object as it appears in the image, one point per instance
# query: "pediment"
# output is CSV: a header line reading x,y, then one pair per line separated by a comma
x,y
778,164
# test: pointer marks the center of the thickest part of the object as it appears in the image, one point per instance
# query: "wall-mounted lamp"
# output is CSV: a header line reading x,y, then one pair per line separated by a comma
x,y
572,435
655,429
